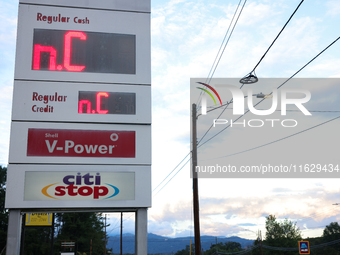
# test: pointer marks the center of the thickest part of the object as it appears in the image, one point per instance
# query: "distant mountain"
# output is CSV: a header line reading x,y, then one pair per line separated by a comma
x,y
168,245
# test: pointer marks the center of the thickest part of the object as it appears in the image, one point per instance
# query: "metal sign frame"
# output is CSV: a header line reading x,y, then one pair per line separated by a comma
x,y
15,195
131,23
65,102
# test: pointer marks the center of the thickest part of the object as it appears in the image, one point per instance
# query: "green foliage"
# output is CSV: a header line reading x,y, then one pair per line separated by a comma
x,y
256,251
285,232
81,228
224,248
37,241
186,251
3,211
331,233
279,234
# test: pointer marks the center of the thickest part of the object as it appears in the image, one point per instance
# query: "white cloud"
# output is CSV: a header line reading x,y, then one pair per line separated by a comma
x,y
333,7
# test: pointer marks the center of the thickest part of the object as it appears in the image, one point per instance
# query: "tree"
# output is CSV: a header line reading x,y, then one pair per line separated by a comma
x,y
3,211
224,248
37,241
281,234
186,251
331,233
81,228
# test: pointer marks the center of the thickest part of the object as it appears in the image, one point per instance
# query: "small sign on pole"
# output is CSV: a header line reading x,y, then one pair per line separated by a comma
x,y
39,219
304,247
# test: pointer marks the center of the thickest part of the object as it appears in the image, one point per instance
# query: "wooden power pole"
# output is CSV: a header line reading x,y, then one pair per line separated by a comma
x,y
195,182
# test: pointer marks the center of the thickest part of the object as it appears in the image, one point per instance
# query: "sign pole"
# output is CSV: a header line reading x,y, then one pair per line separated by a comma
x,y
22,242
14,232
141,231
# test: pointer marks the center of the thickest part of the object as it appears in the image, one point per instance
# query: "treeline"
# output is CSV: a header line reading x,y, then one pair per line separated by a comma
x,y
281,238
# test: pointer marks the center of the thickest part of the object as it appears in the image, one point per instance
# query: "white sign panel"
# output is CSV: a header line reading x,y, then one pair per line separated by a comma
x,y
123,5
79,186
81,102
34,142
84,45
70,186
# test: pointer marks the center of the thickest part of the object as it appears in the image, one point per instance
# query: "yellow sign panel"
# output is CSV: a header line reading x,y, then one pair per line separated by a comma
x,y
39,219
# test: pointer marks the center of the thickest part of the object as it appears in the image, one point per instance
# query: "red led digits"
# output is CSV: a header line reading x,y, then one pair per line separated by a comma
x,y
67,50
99,102
81,104
88,104
36,57
38,49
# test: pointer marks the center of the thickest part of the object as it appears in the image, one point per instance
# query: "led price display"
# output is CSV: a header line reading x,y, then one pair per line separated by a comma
x,y
93,102
79,51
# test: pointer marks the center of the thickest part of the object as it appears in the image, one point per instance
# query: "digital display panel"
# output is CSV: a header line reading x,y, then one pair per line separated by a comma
x,y
80,51
93,102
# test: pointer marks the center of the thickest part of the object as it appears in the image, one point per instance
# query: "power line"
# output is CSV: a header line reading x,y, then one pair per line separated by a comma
x,y
214,68
263,145
255,65
260,59
291,16
173,176
276,88
296,248
225,36
239,252
171,172
228,40
248,110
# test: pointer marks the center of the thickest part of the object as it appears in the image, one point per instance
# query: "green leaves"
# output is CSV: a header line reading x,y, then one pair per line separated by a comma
x,y
3,211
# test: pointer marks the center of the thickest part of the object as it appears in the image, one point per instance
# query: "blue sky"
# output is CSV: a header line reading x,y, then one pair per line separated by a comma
x,y
186,36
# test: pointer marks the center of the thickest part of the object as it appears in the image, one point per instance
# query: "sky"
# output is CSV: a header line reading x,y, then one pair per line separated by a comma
x,y
185,38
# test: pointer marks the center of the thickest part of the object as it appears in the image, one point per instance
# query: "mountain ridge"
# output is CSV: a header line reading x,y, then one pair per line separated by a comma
x,y
168,245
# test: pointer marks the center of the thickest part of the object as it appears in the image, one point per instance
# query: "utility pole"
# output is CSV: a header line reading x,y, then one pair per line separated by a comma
x,y
195,182
121,233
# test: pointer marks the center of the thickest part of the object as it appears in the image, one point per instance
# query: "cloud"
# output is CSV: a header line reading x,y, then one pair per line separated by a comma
x,y
236,214
333,7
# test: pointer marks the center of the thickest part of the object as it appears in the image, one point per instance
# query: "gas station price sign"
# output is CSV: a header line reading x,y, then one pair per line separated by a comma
x,y
80,51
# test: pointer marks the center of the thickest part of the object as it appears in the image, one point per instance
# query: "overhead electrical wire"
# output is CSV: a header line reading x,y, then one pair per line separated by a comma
x,y
218,53
291,16
278,140
296,248
219,50
258,103
172,176
171,172
276,88
280,248
219,59
212,68
239,252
